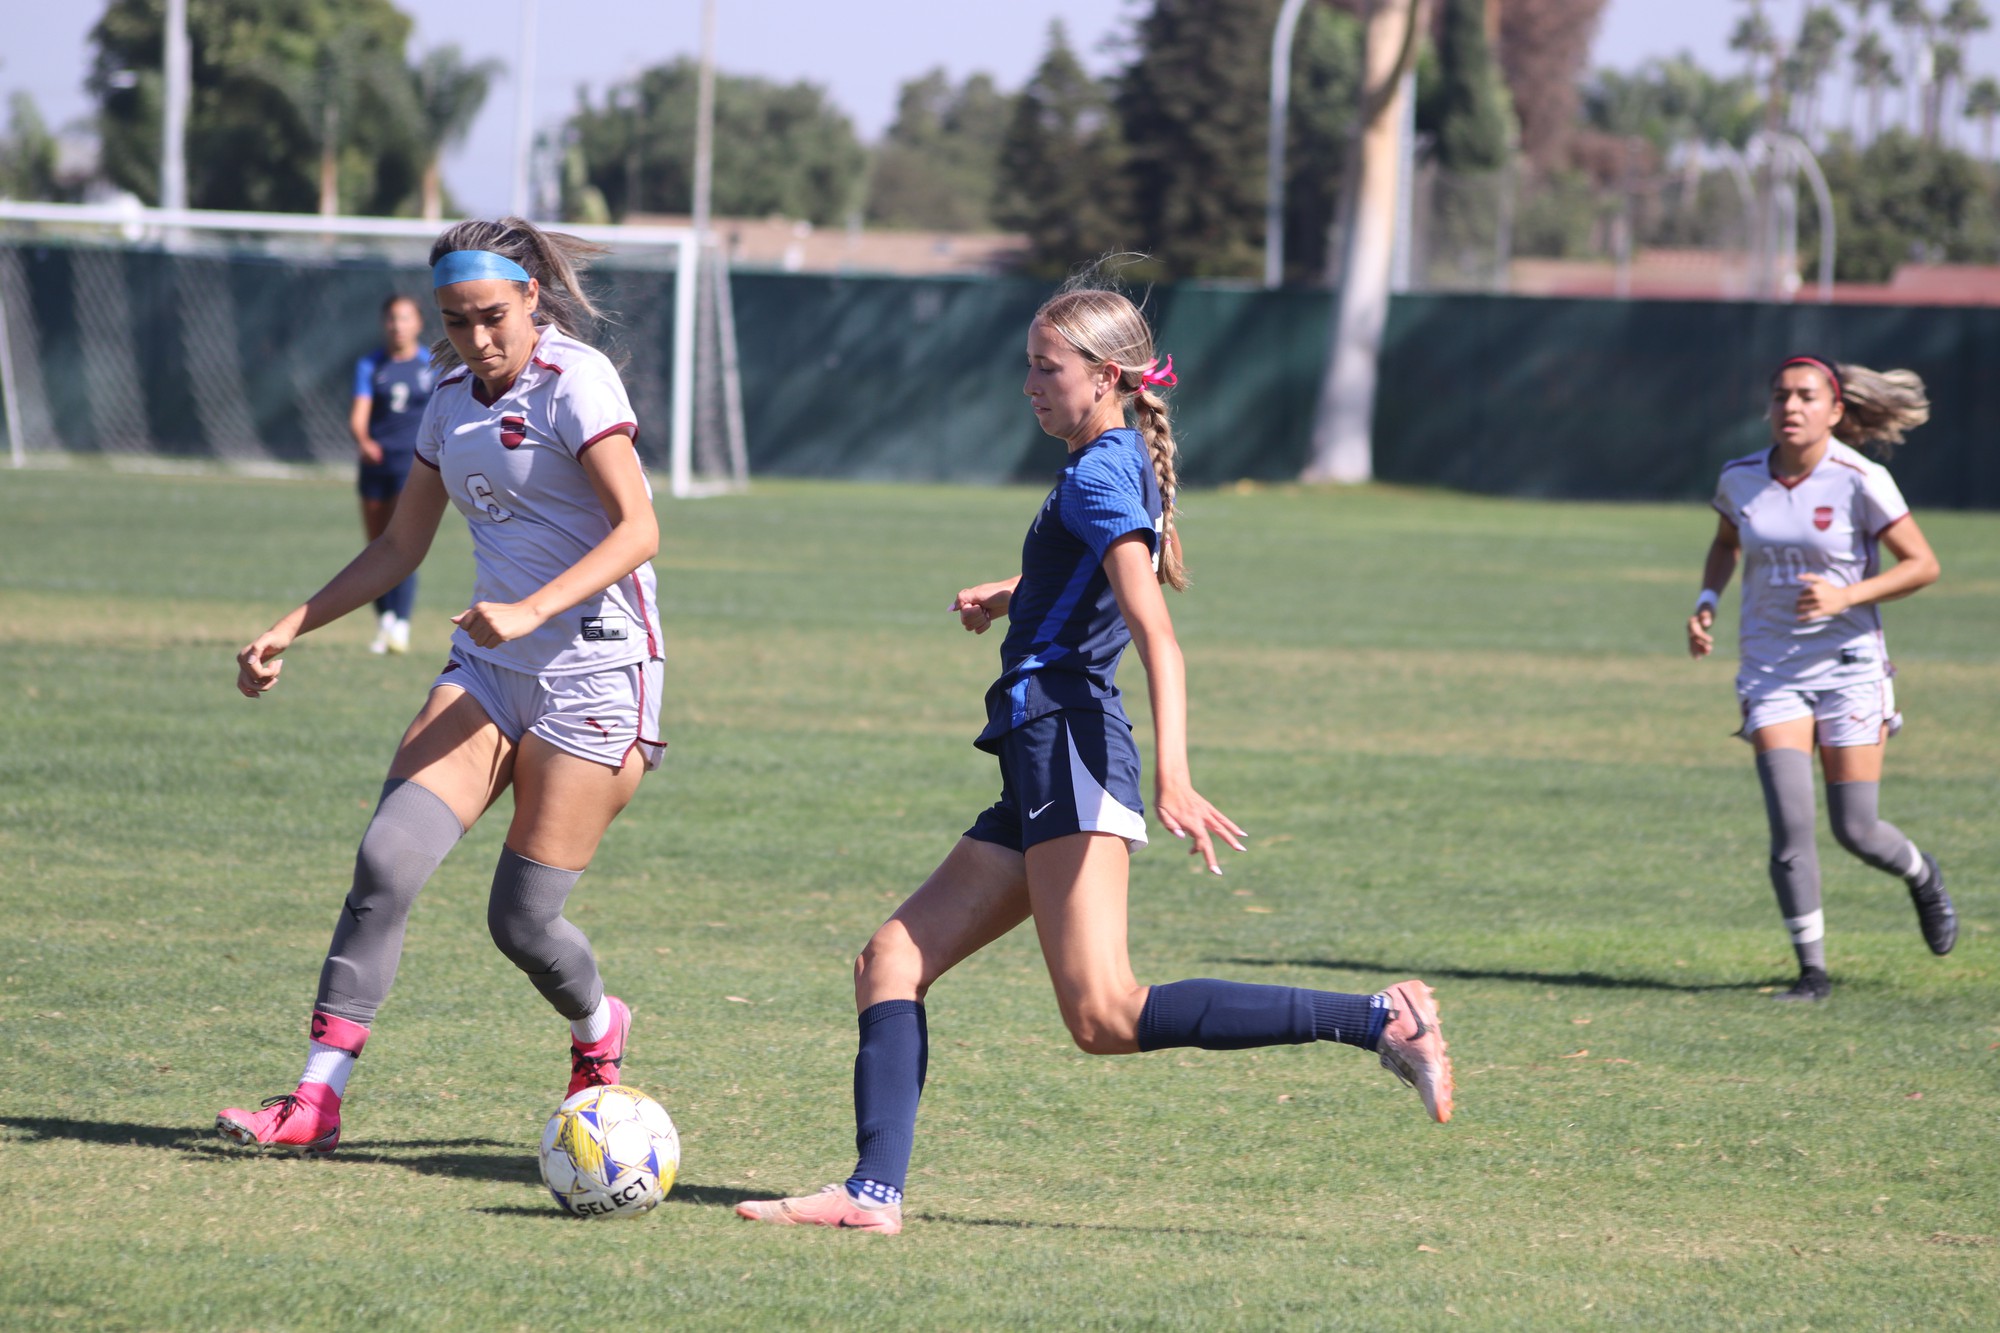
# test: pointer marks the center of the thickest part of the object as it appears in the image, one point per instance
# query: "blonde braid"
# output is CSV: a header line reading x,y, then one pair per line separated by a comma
x,y
1158,432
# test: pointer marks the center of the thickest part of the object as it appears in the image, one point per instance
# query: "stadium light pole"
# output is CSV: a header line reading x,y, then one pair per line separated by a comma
x,y
1274,165
704,125
177,76
524,110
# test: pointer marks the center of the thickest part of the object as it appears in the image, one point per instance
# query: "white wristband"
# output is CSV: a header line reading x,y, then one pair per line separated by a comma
x,y
1706,602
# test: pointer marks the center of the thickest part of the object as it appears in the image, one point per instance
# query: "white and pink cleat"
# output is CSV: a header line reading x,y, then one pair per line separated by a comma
x,y
1413,1046
831,1207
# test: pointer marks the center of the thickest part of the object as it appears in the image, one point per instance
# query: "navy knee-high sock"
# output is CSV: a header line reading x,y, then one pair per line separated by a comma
x,y
889,1072
1232,1016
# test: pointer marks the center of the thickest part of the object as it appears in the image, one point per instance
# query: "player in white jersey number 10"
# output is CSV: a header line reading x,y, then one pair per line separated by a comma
x,y
1807,517
553,684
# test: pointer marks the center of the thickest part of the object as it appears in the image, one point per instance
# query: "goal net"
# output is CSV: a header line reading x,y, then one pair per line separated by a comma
x,y
140,333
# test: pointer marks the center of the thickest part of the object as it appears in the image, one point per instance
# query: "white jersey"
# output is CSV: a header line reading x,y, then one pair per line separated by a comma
x,y
514,468
1827,523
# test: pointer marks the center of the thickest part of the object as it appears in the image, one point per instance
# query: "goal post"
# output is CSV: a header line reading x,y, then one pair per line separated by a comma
x,y
104,326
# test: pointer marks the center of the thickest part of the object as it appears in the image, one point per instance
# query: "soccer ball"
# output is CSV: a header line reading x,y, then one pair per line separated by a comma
x,y
610,1151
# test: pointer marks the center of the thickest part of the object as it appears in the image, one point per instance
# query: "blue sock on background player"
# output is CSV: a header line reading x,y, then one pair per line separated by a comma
x,y
889,1072
1234,1016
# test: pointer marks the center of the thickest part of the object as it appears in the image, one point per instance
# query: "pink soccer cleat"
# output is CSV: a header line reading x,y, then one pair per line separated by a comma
x,y
596,1065
306,1122
1413,1047
831,1207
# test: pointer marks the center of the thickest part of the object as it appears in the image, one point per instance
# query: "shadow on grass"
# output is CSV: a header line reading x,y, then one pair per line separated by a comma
x,y
510,1162
701,1196
1597,980
1023,1224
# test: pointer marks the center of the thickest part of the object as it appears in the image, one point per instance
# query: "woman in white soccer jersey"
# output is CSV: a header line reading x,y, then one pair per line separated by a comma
x,y
1806,517
1055,846
553,684
392,387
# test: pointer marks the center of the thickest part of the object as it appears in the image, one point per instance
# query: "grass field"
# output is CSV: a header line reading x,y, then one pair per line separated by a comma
x,y
1462,732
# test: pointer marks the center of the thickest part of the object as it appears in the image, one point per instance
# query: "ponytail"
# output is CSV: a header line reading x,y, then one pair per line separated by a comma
x,y
1158,432
1880,408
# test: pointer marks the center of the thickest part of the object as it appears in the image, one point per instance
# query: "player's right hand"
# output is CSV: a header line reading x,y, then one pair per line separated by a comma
x,y
979,606
371,452
1701,642
258,665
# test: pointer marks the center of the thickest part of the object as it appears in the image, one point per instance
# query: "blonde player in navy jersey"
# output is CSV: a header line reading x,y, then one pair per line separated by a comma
x,y
392,387
1807,518
553,683
1055,846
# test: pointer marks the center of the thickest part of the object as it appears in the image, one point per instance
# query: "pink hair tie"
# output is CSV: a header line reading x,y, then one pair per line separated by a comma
x,y
1162,376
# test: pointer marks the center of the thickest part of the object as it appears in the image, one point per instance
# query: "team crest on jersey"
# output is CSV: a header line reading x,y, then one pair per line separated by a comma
x,y
513,430
1823,517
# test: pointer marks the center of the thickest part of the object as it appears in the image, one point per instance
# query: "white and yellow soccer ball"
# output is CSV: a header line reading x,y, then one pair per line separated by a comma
x,y
610,1151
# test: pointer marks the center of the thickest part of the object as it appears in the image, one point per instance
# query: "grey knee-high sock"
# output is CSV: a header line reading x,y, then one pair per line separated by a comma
x,y
406,840
525,916
1850,807
1786,776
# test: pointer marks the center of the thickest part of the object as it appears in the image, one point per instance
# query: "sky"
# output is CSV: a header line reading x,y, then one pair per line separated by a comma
x,y
861,51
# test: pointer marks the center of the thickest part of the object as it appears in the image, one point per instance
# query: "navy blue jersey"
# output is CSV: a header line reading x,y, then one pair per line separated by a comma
x,y
1065,633
400,390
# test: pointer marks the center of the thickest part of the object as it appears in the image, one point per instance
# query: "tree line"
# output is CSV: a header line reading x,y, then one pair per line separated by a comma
x,y
296,106
310,104
1165,156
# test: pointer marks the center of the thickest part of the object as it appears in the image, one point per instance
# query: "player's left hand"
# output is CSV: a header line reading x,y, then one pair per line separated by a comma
x,y
493,623
1188,814
1819,599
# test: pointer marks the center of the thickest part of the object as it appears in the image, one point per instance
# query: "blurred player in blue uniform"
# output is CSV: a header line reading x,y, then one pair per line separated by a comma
x,y
1055,847
392,386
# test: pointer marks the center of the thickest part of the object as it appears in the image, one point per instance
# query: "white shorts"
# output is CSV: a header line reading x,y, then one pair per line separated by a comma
x,y
601,716
1847,716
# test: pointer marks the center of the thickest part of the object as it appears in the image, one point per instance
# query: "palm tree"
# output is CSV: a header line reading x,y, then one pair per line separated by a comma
x,y
1961,21
1964,18
1914,22
1818,46
343,81
448,94
1754,38
1947,67
1864,18
1874,70
1982,103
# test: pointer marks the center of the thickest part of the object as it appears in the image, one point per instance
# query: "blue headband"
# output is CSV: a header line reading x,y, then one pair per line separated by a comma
x,y
472,265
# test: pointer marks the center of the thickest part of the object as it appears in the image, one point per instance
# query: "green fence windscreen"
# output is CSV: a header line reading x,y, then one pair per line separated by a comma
x,y
919,379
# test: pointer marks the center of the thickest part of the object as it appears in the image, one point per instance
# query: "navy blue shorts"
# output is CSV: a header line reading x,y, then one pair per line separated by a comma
x,y
385,480
1069,772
